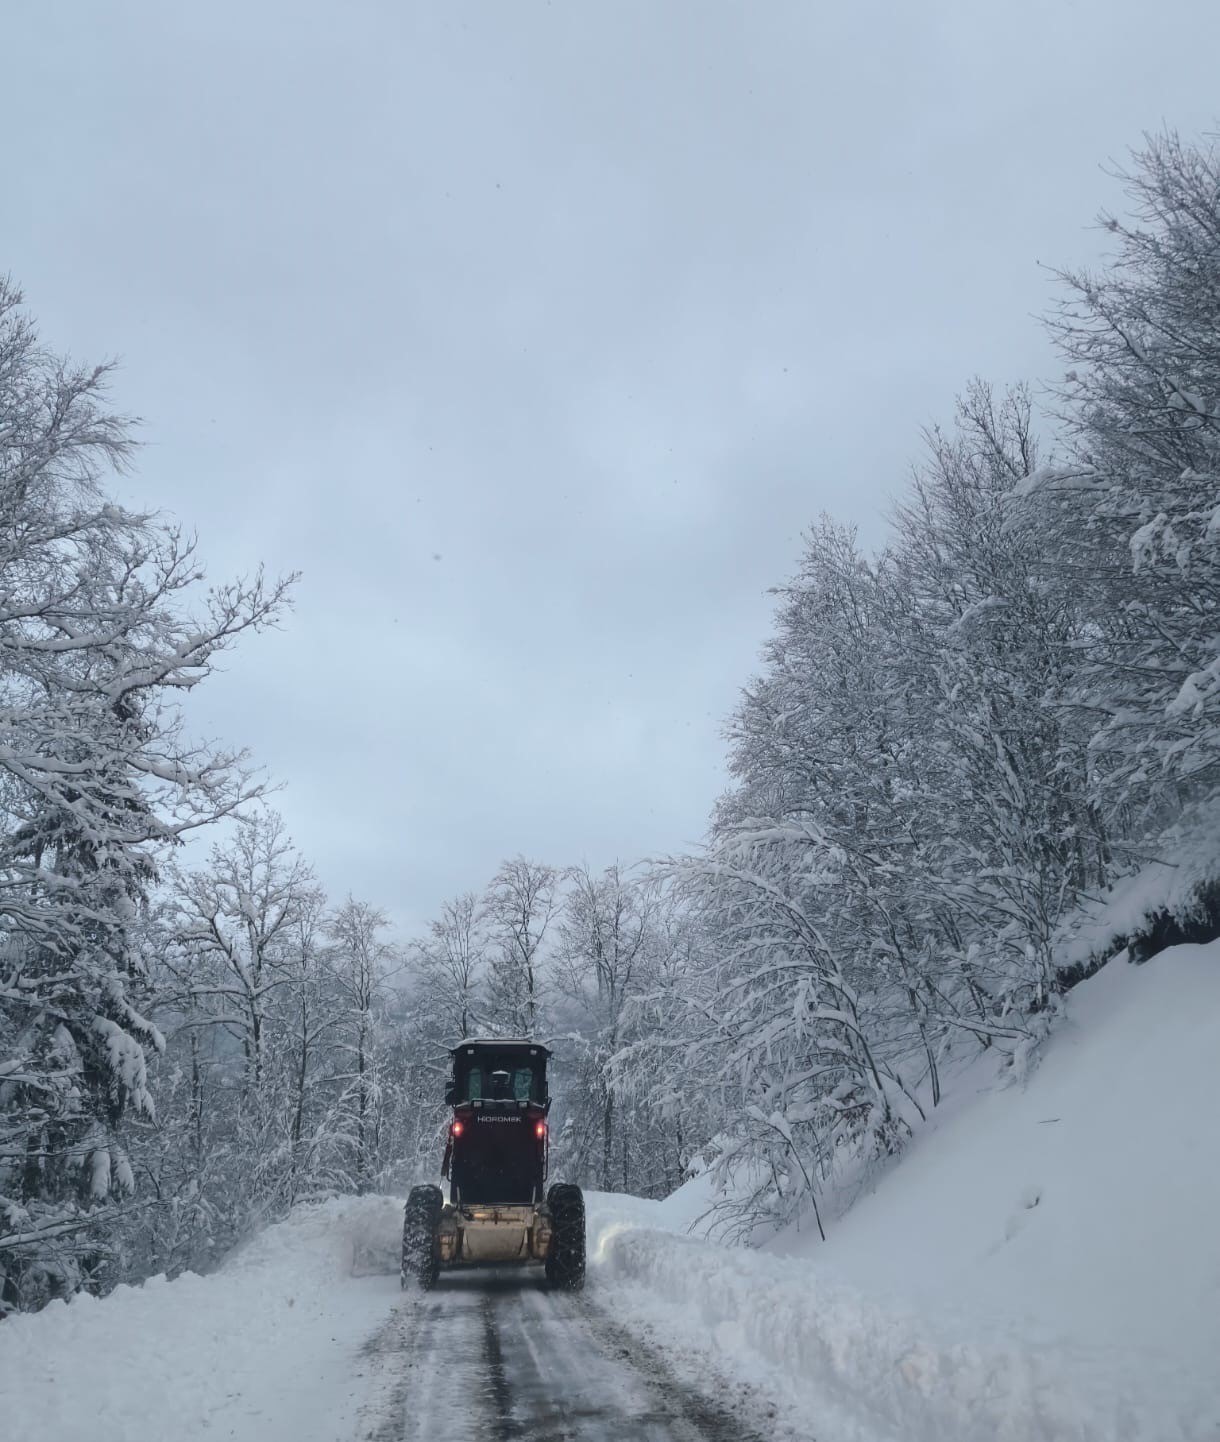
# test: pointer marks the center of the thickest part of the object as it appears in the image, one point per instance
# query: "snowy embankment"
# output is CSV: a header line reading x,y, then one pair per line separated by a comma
x,y
846,1369
1044,1263
262,1350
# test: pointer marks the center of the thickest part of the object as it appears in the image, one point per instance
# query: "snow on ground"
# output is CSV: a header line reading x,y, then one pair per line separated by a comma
x,y
264,1349
1172,887
1084,1203
1044,1263
845,1368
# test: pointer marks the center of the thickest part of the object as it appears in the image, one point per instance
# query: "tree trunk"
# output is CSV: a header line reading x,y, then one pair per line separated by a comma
x,y
362,1163
607,1138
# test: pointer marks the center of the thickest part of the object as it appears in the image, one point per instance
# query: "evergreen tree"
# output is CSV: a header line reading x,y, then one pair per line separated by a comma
x,y
97,781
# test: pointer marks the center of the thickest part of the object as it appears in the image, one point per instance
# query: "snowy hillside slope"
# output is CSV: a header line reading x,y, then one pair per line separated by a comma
x,y
1087,1203
1052,1249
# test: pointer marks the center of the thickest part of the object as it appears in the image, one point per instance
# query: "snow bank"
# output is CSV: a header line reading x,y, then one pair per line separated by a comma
x,y
262,1350
1043,1263
853,1371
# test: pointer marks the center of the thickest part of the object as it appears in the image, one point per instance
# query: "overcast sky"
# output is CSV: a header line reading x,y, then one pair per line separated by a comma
x,y
534,335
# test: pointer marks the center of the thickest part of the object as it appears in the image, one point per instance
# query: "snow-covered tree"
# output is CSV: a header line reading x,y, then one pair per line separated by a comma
x,y
1130,518
449,966
909,822
360,960
240,918
103,629
257,1002
518,908
990,648
602,955
307,1023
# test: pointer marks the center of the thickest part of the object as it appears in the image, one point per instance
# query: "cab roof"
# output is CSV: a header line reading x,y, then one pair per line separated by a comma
x,y
500,1043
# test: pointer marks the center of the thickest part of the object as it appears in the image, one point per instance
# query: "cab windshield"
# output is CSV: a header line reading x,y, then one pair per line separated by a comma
x,y
499,1079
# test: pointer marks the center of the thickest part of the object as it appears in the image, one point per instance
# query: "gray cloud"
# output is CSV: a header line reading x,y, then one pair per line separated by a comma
x,y
534,335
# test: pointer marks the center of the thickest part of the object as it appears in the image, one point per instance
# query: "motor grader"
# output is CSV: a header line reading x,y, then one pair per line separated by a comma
x,y
498,1212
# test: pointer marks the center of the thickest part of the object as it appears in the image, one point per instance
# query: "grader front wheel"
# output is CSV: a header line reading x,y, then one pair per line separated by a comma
x,y
565,1263
421,1258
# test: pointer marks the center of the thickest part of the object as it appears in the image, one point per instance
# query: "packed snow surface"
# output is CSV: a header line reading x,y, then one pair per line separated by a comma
x,y
1043,1264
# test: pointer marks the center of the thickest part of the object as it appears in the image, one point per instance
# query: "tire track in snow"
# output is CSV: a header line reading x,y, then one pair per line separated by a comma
x,y
491,1356
428,1379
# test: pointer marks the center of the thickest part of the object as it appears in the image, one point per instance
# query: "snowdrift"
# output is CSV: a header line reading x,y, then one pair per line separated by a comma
x,y
1044,1263
846,1369
262,1350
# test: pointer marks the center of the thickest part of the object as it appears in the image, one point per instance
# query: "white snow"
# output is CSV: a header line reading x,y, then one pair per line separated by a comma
x,y
1191,863
1043,1265
1143,541
1085,1202
1044,1262
265,1350
848,1369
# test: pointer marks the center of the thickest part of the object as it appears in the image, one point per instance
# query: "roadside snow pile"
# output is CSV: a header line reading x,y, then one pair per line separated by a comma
x,y
263,1349
369,1235
1044,1262
857,1372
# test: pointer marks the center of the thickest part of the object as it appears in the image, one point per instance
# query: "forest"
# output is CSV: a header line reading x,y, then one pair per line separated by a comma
x,y
972,767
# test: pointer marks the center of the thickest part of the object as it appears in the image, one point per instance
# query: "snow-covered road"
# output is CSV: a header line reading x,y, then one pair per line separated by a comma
x,y
491,1356
305,1336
